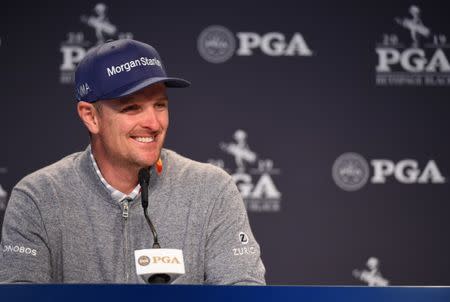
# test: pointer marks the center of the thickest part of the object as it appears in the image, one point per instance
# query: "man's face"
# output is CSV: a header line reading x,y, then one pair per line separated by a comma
x,y
131,130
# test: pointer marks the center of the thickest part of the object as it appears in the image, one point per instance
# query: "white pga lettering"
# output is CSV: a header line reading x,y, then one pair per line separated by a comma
x,y
412,60
406,171
264,188
272,44
72,55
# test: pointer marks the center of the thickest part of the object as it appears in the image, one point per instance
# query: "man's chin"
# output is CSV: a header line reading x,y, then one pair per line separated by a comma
x,y
147,162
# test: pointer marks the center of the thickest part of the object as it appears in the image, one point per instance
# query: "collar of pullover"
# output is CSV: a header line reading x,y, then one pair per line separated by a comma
x,y
89,165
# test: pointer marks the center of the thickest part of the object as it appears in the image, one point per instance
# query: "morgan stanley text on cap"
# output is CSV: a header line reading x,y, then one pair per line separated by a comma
x,y
120,68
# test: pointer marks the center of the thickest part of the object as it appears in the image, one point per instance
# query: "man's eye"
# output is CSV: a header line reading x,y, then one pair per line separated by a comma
x,y
162,105
130,108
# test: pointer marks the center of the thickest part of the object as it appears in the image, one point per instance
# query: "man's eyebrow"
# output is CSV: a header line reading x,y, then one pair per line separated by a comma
x,y
129,98
162,98
125,99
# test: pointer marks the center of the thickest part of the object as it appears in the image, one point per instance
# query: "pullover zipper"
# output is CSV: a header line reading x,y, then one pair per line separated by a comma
x,y
125,213
125,209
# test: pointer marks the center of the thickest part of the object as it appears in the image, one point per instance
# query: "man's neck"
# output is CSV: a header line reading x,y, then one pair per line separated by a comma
x,y
119,177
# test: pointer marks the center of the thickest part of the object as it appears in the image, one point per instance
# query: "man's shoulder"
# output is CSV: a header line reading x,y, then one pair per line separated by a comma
x,y
57,172
183,166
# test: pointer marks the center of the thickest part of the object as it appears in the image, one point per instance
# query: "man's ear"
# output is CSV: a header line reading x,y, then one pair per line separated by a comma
x,y
89,116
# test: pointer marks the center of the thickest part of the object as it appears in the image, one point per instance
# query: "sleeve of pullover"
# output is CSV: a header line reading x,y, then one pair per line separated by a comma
x,y
24,254
232,253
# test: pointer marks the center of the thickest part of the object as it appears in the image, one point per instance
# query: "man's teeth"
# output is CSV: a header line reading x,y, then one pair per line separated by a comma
x,y
145,139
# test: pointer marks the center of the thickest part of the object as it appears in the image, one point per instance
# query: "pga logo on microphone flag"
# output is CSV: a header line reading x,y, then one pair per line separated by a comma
x,y
159,261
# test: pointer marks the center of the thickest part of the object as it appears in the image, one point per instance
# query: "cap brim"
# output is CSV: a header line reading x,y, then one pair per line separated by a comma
x,y
136,86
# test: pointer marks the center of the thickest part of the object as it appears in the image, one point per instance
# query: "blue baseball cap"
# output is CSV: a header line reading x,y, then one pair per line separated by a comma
x,y
119,68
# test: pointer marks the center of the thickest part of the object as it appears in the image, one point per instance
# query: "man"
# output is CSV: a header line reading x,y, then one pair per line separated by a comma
x,y
80,219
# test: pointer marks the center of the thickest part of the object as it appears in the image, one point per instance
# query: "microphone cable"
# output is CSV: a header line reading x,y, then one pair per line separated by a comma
x,y
144,181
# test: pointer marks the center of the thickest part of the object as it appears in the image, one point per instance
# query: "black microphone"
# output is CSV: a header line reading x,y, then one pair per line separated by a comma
x,y
144,181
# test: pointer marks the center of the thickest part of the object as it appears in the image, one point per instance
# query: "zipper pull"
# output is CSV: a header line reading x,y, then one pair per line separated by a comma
x,y
125,209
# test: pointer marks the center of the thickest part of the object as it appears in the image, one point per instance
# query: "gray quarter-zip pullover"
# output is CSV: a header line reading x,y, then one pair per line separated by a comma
x,y
61,225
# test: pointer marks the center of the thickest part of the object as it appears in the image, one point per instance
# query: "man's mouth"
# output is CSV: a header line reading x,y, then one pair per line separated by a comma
x,y
144,139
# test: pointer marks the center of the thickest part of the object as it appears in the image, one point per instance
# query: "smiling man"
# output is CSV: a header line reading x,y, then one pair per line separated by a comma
x,y
127,133
80,221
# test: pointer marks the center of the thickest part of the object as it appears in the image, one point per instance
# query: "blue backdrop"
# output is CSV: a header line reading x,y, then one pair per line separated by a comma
x,y
332,117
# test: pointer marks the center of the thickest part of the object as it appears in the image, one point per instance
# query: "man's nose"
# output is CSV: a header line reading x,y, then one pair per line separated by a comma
x,y
150,119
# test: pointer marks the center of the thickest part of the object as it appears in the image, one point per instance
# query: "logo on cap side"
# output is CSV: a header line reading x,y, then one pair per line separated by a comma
x,y
83,90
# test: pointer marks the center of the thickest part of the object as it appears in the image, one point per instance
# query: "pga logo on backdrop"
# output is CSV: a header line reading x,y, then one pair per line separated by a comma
x,y
372,275
420,60
351,172
253,176
75,47
3,198
3,193
217,44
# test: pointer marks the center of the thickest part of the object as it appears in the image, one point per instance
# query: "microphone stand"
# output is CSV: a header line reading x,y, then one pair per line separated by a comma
x,y
144,181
